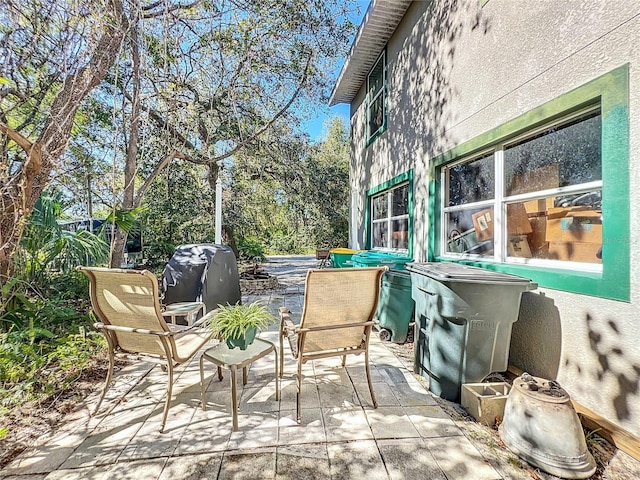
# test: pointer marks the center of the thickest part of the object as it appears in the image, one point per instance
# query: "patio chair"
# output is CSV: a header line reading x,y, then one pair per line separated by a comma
x,y
127,304
324,255
337,316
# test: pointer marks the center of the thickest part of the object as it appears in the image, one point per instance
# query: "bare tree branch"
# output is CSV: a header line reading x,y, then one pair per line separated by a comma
x,y
22,142
152,176
163,10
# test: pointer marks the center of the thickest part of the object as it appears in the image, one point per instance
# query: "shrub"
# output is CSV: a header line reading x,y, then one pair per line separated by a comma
x,y
251,250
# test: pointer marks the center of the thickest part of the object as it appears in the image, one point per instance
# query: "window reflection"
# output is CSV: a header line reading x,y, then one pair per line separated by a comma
x,y
557,157
472,181
400,234
567,228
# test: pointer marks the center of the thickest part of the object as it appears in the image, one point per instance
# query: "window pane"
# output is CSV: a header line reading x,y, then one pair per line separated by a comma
x,y
472,181
376,78
470,231
400,234
380,207
566,228
559,156
376,115
400,200
380,237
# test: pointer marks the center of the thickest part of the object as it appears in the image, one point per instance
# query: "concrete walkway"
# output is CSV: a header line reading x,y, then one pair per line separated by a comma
x,y
341,435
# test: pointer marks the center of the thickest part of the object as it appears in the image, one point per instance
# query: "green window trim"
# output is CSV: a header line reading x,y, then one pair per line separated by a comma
x,y
372,136
612,92
406,177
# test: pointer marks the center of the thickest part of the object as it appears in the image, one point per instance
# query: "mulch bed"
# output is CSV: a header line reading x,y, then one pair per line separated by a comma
x,y
35,419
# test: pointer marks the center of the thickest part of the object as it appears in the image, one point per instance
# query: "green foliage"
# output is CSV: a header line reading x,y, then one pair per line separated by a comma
x,y
46,246
287,242
289,195
43,344
177,211
233,321
250,249
124,219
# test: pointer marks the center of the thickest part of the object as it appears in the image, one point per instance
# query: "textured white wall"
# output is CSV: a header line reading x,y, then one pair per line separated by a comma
x,y
458,71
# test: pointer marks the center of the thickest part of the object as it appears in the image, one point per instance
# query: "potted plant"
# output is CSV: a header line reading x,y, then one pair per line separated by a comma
x,y
237,325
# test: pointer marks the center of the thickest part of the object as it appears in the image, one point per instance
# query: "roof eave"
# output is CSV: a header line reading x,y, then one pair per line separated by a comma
x,y
380,21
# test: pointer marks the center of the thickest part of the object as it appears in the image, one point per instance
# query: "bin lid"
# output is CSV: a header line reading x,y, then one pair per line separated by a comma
x,y
448,271
343,251
397,277
382,258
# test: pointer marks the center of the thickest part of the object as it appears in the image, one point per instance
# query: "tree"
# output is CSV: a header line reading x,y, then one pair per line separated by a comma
x,y
197,81
55,54
205,80
291,195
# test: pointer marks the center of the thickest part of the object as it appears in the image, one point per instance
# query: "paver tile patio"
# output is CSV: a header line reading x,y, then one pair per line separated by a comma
x,y
341,436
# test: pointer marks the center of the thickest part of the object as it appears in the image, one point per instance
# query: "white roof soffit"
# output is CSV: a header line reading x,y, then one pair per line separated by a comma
x,y
379,23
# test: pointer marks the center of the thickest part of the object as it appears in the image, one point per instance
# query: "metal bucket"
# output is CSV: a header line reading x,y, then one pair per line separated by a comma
x,y
541,426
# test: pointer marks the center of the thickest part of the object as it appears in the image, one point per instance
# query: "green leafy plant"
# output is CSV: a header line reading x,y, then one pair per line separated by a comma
x,y
250,249
234,321
47,247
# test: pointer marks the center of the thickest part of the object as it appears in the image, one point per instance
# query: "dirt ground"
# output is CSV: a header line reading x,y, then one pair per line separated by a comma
x,y
35,419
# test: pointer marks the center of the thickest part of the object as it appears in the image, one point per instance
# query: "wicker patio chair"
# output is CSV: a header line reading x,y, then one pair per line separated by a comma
x,y
337,316
127,304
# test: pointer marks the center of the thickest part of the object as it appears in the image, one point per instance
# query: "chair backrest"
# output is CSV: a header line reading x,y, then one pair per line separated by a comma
x,y
128,298
339,296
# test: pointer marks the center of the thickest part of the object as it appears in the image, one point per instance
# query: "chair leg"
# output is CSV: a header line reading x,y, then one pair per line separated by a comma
x,y
107,381
344,360
169,391
298,390
366,366
202,389
280,335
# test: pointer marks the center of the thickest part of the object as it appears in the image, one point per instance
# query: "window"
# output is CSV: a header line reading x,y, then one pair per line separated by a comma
x,y
389,214
545,195
391,219
376,99
547,203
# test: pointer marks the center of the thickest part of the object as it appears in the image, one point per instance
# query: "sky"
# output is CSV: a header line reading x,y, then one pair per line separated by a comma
x,y
315,126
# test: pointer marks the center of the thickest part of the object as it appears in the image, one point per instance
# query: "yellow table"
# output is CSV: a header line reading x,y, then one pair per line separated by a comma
x,y
232,359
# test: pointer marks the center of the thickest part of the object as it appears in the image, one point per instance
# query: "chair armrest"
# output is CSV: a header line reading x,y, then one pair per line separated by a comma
x,y
335,327
198,325
117,328
286,324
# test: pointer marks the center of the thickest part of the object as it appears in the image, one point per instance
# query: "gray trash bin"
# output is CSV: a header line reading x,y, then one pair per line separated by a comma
x,y
463,323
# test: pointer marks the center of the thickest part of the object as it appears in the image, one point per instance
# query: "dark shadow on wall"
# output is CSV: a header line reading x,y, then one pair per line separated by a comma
x,y
429,57
536,338
612,361
419,92
536,347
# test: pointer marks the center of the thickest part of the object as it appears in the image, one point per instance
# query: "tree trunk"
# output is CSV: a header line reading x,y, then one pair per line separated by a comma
x,y
117,247
228,237
22,190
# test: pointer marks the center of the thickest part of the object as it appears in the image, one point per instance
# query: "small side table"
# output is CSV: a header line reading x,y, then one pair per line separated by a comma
x,y
189,310
232,359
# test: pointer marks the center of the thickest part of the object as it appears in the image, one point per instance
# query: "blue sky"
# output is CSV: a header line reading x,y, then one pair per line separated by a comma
x,y
314,127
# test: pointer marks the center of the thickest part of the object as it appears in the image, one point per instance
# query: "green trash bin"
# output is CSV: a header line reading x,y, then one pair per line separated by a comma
x,y
341,257
373,258
395,305
463,324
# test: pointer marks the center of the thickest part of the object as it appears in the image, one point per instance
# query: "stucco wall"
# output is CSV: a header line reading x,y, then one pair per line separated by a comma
x,y
457,70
